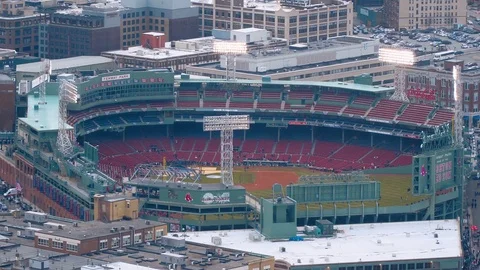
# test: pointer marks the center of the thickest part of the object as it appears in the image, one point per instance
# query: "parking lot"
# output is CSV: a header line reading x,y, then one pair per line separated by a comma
x,y
425,41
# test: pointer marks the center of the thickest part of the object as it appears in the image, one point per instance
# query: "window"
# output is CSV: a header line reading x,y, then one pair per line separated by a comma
x,y
103,244
43,242
72,247
137,238
149,236
115,242
126,241
57,244
158,234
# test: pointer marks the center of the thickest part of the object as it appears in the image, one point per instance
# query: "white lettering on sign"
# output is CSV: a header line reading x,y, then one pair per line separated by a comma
x,y
116,77
209,198
364,11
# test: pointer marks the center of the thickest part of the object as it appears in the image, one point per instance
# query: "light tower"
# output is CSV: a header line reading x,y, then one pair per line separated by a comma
x,y
226,124
44,78
458,97
400,58
230,49
67,94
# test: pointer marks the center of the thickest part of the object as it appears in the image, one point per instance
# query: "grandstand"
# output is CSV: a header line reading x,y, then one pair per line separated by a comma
x,y
302,127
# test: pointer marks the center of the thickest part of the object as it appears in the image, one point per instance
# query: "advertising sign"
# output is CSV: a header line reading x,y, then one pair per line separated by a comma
x,y
444,167
221,198
116,77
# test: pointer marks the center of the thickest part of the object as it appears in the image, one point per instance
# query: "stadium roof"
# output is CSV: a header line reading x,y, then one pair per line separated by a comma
x,y
45,118
343,85
380,242
65,63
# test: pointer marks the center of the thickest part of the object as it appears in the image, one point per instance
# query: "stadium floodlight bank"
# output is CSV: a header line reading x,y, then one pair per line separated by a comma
x,y
226,124
223,122
401,58
230,47
68,93
396,56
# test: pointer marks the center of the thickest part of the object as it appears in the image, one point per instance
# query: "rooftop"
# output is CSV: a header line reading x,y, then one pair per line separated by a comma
x,y
296,57
116,266
45,117
343,85
65,63
332,44
19,17
274,5
381,242
86,230
56,260
182,48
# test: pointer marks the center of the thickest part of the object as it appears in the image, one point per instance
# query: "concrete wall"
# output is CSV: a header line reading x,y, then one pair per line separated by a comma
x,y
397,170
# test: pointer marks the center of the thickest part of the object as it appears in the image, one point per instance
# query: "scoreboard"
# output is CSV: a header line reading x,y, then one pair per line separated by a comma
x,y
443,167
436,171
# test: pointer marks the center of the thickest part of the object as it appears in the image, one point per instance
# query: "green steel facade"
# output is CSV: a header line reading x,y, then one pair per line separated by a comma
x,y
352,202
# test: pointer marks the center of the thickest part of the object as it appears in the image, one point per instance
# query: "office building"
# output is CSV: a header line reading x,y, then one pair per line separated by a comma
x,y
19,27
89,30
422,14
410,245
434,85
176,54
176,19
337,59
7,103
298,21
83,238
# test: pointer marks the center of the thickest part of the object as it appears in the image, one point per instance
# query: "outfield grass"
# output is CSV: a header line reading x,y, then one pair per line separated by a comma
x,y
394,191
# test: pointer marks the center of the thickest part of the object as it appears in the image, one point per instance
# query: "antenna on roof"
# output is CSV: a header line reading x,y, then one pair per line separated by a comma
x,y
115,62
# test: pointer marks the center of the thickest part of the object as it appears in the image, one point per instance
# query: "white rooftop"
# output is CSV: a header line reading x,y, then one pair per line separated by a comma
x,y
156,34
116,266
269,5
182,48
354,243
65,63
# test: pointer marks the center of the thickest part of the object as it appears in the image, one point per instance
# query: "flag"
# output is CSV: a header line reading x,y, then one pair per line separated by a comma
x,y
424,171
18,187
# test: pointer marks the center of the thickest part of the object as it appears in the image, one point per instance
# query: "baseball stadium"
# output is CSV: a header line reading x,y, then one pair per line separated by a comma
x,y
333,151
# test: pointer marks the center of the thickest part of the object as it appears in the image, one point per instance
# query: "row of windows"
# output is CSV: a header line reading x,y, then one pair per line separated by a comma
x,y
57,244
125,92
403,266
137,14
269,18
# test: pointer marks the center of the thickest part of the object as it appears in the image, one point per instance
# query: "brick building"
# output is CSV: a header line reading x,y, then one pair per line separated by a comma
x,y
410,14
434,85
298,21
176,19
81,31
84,238
7,103
19,27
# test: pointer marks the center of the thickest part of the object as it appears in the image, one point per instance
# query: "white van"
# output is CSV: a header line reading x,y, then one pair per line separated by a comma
x,y
11,192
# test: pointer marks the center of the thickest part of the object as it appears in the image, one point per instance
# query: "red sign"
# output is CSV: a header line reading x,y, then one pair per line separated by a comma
x,y
443,191
425,94
297,123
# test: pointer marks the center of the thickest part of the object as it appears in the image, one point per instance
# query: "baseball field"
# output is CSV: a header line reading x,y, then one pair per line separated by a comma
x,y
395,189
